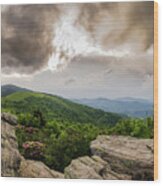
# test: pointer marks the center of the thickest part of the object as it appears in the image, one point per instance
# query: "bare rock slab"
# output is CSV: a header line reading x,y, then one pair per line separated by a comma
x,y
92,168
126,155
85,168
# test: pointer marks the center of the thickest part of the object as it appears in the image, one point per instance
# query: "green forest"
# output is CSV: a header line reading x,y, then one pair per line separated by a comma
x,y
55,130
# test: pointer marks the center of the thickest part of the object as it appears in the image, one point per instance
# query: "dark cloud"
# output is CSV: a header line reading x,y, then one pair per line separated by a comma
x,y
27,33
115,23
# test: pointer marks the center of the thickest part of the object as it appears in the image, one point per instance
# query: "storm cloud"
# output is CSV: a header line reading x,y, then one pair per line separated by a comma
x,y
113,24
38,37
27,32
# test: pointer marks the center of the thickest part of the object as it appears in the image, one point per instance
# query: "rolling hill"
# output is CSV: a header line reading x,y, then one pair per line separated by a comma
x,y
56,108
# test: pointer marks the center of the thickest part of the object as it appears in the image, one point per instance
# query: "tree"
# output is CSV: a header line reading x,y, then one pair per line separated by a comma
x,y
38,114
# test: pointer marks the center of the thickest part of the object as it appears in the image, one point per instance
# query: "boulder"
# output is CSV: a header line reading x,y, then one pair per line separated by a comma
x,y
37,169
10,156
126,155
92,168
85,168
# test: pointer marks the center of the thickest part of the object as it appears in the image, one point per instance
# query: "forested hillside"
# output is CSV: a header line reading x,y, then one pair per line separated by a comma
x,y
56,108
55,130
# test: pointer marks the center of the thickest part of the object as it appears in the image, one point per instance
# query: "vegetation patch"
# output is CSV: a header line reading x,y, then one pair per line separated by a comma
x,y
55,130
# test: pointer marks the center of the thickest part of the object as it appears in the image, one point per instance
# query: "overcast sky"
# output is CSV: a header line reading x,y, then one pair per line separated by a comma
x,y
79,50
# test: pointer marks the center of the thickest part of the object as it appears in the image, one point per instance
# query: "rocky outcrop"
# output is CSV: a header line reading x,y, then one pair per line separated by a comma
x,y
126,155
13,164
10,155
117,157
9,118
37,169
91,168
113,157
85,167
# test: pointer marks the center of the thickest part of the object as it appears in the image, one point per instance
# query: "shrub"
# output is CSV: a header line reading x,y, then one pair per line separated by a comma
x,y
33,150
65,141
32,120
141,128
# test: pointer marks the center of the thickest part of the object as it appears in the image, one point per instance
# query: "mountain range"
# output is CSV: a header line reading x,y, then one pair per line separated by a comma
x,y
22,101
128,106
132,107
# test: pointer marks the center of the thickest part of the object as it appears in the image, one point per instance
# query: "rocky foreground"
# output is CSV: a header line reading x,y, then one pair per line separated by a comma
x,y
113,157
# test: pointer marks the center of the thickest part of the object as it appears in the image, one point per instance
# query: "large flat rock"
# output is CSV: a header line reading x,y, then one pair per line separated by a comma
x,y
92,168
126,155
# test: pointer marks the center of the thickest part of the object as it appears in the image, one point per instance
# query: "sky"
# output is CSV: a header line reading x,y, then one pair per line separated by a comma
x,y
79,50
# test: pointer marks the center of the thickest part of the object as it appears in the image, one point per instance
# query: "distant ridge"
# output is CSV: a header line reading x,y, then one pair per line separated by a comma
x,y
132,107
134,99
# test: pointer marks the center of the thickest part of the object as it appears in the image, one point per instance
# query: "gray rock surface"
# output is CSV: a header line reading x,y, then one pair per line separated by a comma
x,y
10,155
37,169
92,168
85,167
9,118
126,155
